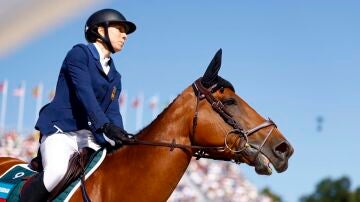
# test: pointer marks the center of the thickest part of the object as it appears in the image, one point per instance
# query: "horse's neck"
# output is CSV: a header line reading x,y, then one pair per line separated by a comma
x,y
157,167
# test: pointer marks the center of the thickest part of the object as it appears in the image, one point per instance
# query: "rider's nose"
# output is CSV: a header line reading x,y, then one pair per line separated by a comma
x,y
284,150
124,36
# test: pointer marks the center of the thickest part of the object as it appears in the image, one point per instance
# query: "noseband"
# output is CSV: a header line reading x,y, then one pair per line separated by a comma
x,y
201,92
203,151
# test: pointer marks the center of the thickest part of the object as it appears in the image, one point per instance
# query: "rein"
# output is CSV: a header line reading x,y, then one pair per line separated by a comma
x,y
202,151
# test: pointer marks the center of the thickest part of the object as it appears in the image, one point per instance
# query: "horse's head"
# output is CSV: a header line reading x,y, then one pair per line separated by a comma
x,y
225,121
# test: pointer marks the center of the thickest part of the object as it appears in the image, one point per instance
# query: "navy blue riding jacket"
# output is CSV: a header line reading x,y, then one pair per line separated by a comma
x,y
85,98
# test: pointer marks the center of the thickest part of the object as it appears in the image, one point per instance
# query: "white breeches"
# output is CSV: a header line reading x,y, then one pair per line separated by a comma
x,y
56,151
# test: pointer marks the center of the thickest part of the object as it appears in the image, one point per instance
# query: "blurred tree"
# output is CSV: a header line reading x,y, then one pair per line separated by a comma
x,y
355,196
275,198
329,190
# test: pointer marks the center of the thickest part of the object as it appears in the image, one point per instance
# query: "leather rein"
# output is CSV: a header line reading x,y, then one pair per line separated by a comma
x,y
202,151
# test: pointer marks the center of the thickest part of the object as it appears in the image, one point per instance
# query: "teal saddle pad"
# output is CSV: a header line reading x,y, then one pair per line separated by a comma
x,y
12,180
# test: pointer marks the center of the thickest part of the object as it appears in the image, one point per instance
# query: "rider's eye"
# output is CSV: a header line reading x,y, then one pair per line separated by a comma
x,y
230,101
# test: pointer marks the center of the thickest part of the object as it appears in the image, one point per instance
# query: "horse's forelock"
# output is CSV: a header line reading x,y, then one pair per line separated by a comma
x,y
223,83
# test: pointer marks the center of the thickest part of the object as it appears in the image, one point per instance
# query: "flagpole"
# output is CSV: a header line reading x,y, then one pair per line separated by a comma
x,y
139,112
38,100
3,106
123,107
154,105
21,108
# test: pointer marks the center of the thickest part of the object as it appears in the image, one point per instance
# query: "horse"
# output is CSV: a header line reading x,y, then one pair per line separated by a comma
x,y
207,120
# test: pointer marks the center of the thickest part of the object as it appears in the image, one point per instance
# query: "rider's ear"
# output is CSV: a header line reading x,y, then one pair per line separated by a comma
x,y
211,74
101,30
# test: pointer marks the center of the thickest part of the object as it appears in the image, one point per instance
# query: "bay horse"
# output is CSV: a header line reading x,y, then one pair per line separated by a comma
x,y
207,120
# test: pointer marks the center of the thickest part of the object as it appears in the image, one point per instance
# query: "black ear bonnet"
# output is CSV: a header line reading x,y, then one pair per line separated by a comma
x,y
211,78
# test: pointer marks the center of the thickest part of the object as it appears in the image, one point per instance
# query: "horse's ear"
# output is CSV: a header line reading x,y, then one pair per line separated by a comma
x,y
211,74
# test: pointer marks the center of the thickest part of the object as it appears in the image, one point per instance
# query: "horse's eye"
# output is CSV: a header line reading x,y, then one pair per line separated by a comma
x,y
229,101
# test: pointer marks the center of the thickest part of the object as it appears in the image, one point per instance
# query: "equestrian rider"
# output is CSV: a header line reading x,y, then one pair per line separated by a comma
x,y
85,110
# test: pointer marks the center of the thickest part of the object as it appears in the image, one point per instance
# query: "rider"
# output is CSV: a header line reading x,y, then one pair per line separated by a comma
x,y
85,110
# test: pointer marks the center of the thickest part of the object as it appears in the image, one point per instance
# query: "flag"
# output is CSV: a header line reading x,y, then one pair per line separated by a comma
x,y
153,102
3,86
51,94
136,102
36,91
122,99
123,107
19,91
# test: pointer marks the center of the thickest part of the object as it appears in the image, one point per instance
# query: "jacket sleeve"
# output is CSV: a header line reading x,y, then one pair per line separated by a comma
x,y
78,72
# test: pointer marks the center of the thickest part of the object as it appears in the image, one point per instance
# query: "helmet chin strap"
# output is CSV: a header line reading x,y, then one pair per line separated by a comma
x,y
105,39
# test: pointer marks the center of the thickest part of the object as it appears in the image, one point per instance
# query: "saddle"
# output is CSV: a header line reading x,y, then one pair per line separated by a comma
x,y
81,166
77,164
76,168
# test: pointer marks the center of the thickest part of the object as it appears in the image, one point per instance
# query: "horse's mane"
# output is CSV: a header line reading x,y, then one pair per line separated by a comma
x,y
221,83
149,125
158,116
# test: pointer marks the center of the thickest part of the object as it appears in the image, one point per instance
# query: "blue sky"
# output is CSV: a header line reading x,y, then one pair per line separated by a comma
x,y
291,60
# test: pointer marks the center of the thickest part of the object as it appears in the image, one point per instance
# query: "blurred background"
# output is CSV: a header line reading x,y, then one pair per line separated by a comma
x,y
294,61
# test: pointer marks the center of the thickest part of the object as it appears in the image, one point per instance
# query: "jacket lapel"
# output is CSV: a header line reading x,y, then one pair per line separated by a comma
x,y
111,74
96,56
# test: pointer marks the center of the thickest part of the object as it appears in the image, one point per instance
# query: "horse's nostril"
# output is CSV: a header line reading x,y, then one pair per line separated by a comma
x,y
283,148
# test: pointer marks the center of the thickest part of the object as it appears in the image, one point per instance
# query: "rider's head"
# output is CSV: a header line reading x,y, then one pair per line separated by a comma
x,y
109,27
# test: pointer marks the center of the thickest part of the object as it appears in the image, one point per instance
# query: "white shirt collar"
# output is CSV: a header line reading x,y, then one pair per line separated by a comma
x,y
103,60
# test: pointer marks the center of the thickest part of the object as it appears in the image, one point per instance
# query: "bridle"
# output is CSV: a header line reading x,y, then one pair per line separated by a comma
x,y
201,93
203,151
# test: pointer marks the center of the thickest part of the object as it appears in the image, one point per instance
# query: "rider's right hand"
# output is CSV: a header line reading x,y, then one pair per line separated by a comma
x,y
114,135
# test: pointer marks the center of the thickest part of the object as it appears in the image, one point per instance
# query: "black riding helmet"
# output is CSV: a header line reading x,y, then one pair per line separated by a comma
x,y
104,18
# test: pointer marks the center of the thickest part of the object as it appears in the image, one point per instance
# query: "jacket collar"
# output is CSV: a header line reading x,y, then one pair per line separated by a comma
x,y
111,75
93,51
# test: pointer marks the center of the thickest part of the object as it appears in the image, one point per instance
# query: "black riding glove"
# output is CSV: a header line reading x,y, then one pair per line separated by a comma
x,y
114,135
